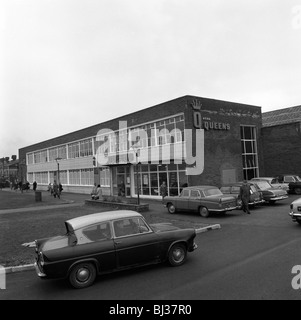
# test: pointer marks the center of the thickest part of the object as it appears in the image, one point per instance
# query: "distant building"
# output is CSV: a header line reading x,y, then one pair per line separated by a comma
x,y
9,169
281,136
186,141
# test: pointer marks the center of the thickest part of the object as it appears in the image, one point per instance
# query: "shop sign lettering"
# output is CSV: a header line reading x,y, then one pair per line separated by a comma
x,y
206,123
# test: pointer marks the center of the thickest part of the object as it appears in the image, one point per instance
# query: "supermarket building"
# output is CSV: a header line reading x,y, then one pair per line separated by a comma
x,y
186,141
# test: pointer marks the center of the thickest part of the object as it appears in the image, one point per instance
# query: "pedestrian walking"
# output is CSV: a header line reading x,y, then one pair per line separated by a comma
x,y
55,188
163,190
245,192
34,186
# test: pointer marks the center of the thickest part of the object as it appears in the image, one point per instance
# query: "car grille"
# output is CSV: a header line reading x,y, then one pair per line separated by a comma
x,y
230,204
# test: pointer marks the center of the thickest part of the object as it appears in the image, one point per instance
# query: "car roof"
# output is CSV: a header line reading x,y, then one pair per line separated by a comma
x,y
237,183
200,187
79,222
262,178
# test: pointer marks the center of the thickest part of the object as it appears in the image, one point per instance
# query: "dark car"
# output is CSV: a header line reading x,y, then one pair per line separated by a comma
x,y
293,180
4,184
256,196
110,241
201,199
270,194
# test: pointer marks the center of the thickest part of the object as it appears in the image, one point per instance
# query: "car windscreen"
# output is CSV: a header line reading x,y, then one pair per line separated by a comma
x,y
298,178
263,185
212,192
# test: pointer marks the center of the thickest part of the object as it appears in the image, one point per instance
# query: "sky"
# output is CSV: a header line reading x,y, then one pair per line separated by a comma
x,y
69,64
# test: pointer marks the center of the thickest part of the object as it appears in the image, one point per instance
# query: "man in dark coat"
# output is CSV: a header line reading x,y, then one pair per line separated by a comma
x,y
245,192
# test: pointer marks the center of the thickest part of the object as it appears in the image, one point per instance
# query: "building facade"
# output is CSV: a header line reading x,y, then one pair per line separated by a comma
x,y
281,135
186,141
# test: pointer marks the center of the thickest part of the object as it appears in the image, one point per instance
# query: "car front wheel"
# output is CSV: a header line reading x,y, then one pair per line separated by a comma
x,y
82,275
171,208
204,212
177,255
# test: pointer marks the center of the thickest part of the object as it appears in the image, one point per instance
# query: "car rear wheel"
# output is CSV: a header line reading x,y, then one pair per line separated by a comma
x,y
299,221
171,208
177,255
82,275
297,190
204,212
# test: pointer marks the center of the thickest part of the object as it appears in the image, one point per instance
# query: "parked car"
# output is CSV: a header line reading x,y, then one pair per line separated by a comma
x,y
4,184
293,180
269,193
256,196
295,210
110,241
201,199
274,182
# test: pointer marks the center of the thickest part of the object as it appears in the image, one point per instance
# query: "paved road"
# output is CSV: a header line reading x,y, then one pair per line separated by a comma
x,y
251,257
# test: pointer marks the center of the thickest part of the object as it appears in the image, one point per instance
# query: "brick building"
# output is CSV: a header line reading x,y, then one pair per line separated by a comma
x,y
186,141
281,136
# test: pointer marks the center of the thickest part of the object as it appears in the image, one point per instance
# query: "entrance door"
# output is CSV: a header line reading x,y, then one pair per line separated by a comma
x,y
124,181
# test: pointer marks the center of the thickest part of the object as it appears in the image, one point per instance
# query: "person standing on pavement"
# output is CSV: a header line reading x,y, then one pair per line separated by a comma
x,y
245,192
163,190
34,186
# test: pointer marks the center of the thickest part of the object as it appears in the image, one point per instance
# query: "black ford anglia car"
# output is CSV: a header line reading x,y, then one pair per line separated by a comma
x,y
110,241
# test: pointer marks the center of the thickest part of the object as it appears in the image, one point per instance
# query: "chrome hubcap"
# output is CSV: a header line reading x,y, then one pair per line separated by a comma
x,y
83,274
178,254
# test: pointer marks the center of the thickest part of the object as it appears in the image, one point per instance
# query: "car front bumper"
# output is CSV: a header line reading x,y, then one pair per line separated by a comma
x,y
278,198
39,270
256,202
295,216
224,209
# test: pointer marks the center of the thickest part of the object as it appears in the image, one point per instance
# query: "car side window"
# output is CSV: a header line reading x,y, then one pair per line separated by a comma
x,y
98,232
194,194
289,179
185,193
126,227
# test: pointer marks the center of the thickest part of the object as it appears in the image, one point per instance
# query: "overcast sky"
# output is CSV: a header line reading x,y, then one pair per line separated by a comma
x,y
69,64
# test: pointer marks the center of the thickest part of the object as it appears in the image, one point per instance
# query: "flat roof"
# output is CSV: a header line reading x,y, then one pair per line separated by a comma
x,y
93,218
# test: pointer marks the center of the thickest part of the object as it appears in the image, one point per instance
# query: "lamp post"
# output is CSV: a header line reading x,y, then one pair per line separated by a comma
x,y
58,168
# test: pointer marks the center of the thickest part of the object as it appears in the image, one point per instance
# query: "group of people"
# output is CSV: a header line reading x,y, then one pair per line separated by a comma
x,y
22,186
55,189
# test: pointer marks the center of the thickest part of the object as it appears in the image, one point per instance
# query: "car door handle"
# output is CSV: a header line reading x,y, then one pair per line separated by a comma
x,y
118,242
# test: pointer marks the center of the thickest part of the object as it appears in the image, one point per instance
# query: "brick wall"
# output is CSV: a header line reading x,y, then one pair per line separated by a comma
x,y
282,149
